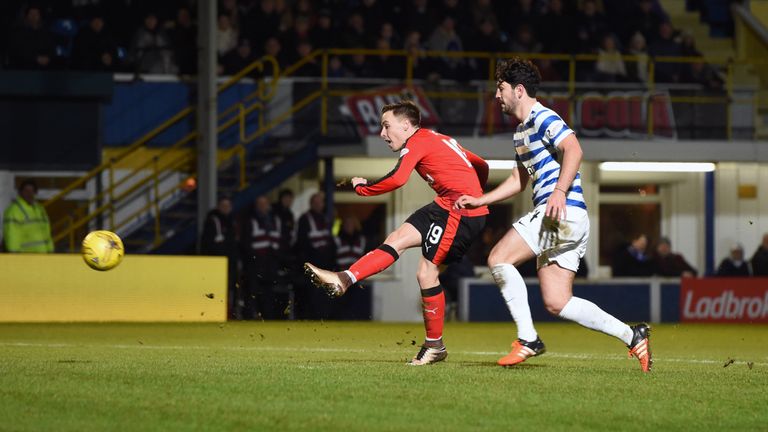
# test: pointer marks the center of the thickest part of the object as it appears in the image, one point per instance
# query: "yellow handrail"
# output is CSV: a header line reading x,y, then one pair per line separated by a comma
x,y
236,116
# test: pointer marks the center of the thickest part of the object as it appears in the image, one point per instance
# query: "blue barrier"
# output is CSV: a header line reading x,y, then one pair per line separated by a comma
x,y
631,300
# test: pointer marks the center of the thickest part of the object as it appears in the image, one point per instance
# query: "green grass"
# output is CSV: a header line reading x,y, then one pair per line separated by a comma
x,y
352,376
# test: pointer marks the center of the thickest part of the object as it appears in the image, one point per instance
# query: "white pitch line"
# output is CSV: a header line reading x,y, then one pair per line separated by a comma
x,y
575,356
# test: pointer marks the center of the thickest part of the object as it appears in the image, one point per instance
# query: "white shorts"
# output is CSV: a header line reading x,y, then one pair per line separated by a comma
x,y
564,243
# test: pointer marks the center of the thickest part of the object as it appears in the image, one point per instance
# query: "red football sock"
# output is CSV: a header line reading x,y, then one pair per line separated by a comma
x,y
374,262
433,303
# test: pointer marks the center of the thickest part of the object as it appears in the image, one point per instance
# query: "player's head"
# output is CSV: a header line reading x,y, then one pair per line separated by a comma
x,y
28,190
398,122
517,82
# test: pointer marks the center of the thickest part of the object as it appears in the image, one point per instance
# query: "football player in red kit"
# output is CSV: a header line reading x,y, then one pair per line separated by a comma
x,y
444,233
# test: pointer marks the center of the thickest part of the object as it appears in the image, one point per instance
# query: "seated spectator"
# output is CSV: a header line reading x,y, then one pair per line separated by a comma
x,y
387,66
760,258
388,32
670,264
323,34
665,45
237,59
184,38
94,49
560,29
632,260
336,68
645,20
445,38
355,34
273,47
590,26
525,41
421,64
637,70
734,264
30,45
152,49
312,68
226,36
609,66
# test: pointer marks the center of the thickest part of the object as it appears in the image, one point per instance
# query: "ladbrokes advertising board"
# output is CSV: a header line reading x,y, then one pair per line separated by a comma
x,y
738,300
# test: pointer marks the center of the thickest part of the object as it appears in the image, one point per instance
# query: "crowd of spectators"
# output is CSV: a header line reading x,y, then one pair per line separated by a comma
x,y
160,37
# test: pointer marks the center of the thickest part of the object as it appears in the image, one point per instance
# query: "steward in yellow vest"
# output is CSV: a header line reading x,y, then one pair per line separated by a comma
x,y
25,223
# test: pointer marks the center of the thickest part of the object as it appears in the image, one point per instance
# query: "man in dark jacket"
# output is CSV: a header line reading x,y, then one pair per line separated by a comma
x,y
670,264
734,264
219,238
760,258
632,260
314,243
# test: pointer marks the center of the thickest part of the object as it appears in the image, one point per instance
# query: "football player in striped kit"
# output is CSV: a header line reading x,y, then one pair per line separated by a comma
x,y
548,155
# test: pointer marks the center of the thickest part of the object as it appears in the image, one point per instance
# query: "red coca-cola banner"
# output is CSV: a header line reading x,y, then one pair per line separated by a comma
x,y
743,300
614,114
365,107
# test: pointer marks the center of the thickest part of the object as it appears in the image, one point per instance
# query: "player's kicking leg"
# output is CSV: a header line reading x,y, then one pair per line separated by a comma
x,y
512,249
335,284
556,289
433,310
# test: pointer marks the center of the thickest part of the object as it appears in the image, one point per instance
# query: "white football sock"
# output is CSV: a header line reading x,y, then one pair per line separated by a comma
x,y
591,316
515,294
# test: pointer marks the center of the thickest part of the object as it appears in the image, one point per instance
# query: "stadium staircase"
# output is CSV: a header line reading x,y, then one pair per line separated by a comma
x,y
148,194
717,47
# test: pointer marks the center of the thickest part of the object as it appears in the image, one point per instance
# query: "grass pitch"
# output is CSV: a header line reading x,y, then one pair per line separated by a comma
x,y
334,376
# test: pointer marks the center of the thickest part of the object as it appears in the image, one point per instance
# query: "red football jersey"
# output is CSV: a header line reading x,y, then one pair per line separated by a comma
x,y
449,169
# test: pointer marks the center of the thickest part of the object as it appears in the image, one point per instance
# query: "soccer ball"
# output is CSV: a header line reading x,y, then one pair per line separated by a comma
x,y
102,250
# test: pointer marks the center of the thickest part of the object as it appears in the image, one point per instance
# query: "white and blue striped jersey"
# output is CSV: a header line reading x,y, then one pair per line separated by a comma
x,y
536,142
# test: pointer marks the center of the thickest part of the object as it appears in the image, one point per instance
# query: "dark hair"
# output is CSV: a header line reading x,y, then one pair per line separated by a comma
x,y
26,183
283,193
519,71
405,108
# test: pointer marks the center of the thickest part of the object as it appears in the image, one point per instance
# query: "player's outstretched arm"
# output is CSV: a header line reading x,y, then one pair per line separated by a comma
x,y
515,183
572,155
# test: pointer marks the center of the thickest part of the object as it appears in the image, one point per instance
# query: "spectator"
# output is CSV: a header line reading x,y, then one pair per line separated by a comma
x,y
734,264
93,48
260,245
314,243
637,70
760,258
273,47
420,18
355,35
388,33
152,49
336,68
590,26
30,46
559,35
323,34
184,39
300,32
350,243
482,10
282,209
632,260
238,58
312,68
609,65
25,223
421,63
268,18
372,13
666,45
645,20
231,10
387,66
445,38
670,264
226,36
525,41
219,238
514,14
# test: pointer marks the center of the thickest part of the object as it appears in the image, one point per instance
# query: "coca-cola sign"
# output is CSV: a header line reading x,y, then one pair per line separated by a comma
x,y
724,300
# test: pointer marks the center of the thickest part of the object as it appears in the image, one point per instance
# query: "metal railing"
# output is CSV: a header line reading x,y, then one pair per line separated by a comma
x,y
146,176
